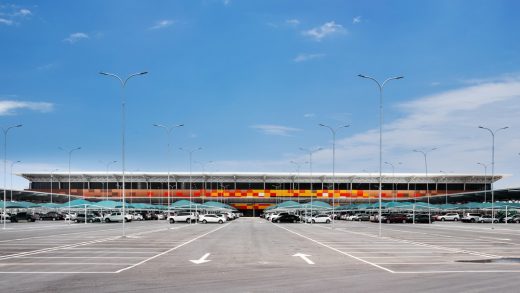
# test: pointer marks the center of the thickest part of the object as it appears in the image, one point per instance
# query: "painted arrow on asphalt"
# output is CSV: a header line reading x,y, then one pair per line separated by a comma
x,y
201,260
304,257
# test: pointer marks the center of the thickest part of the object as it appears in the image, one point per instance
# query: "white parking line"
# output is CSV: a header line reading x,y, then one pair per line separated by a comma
x,y
334,249
170,250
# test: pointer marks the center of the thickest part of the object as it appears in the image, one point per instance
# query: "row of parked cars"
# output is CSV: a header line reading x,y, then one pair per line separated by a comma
x,y
285,217
191,217
479,218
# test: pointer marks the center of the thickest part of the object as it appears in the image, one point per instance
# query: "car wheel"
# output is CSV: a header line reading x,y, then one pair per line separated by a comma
x,y
517,221
54,219
359,220
76,221
456,220
220,221
472,221
388,221
313,221
107,220
204,222
187,220
404,221
482,222
172,221
277,221
496,221
328,221
90,221
443,219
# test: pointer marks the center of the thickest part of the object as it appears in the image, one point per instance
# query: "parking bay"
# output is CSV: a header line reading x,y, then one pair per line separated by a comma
x,y
252,254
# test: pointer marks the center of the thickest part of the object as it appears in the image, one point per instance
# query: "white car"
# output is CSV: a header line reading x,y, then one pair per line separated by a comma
x,y
117,217
320,219
137,217
211,219
70,217
182,217
487,219
353,217
449,217
7,217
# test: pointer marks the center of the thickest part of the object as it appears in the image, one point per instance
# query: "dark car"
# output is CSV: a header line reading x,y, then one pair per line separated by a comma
x,y
395,218
364,217
286,218
80,218
419,218
23,216
52,216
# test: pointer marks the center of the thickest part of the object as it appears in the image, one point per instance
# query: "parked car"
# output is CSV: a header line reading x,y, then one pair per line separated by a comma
x,y
211,218
516,219
137,217
275,217
287,218
487,219
52,216
353,217
117,217
7,217
471,218
419,218
449,217
321,219
182,217
23,216
80,218
395,218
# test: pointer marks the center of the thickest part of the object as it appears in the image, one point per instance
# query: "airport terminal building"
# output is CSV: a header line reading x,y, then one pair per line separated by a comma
x,y
250,192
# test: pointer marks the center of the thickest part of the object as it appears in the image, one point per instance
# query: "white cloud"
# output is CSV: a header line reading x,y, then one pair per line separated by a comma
x,y
6,21
24,12
448,120
307,57
292,21
9,107
327,29
275,129
76,37
356,19
162,24
309,115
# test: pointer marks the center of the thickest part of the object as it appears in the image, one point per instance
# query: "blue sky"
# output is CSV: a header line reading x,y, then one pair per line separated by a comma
x,y
251,81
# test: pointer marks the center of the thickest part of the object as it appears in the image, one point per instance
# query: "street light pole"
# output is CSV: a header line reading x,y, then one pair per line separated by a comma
x,y
493,132
190,152
12,164
70,156
393,177
485,179
204,178
381,87
333,131
108,165
425,153
6,130
123,85
311,152
168,162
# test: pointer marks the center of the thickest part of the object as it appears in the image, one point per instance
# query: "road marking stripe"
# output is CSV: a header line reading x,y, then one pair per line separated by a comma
x,y
337,250
170,250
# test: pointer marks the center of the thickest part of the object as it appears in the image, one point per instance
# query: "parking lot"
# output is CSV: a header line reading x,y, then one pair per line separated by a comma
x,y
253,255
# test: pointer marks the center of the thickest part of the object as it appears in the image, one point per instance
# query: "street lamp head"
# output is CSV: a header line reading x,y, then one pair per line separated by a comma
x,y
363,76
480,126
323,125
500,128
399,77
103,73
143,73
19,125
180,125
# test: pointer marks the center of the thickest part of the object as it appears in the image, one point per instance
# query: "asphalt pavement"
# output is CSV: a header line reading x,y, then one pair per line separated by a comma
x,y
253,255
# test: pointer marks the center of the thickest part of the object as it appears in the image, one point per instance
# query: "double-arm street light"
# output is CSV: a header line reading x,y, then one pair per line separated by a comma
x,y
123,102
190,152
298,168
493,133
381,87
12,164
168,130
6,131
333,131
485,179
425,153
107,166
70,151
203,165
393,176
311,152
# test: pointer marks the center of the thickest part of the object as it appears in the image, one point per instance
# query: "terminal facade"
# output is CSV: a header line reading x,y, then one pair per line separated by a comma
x,y
253,192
